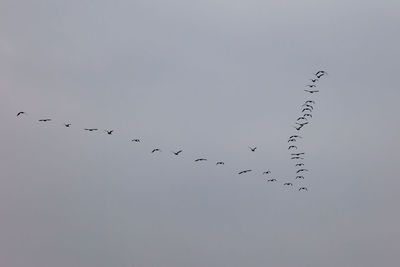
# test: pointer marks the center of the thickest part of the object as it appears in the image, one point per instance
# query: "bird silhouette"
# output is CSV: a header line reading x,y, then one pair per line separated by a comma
x,y
177,152
313,80
91,129
245,171
136,140
299,164
109,132
307,115
290,184
302,124
311,85
301,118
220,163
156,150
302,170
298,128
201,159
298,154
295,136
312,91
306,109
296,158
299,177
67,124
292,140
44,120
266,172
20,113
303,188
308,106
271,180
290,147
310,101
253,149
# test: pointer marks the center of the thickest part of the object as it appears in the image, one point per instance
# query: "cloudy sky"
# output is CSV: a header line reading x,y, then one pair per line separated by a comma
x,y
211,77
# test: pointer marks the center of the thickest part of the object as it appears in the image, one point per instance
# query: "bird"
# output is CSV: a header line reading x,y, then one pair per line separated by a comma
x,y
298,154
266,172
288,184
44,120
220,163
303,188
201,159
302,124
313,80
298,128
296,158
307,115
20,113
67,124
136,140
301,118
91,129
156,150
311,85
295,136
177,152
321,73
245,171
253,149
292,140
299,164
109,132
306,109
290,147
302,170
299,177
271,180
312,91
307,106
310,101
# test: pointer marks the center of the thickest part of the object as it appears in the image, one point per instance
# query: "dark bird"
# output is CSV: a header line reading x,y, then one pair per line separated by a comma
x,y
292,140
301,118
91,129
321,73
299,177
295,136
109,132
308,106
136,140
253,149
302,124
299,164
302,170
298,154
267,172
271,180
156,150
20,113
201,159
177,152
44,120
245,171
298,128
290,147
312,91
220,163
67,124
303,188
288,184
313,80
296,158
310,101
311,85
306,109
307,115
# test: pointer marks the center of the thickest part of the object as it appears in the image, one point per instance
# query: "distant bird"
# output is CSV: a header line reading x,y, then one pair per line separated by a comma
x,y
302,124
44,120
296,158
292,140
308,106
312,91
201,159
253,149
302,170
20,113
311,85
298,128
290,147
220,163
299,164
320,73
271,180
91,129
67,124
295,136
177,152
299,177
310,101
306,109
303,188
298,154
156,150
109,132
307,115
267,172
301,118
313,80
245,171
136,140
288,184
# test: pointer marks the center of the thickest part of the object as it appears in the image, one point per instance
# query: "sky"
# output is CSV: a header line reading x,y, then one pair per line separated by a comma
x,y
211,78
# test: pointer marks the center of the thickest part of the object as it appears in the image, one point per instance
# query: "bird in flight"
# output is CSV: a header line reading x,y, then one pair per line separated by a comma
x,y
290,147
298,154
177,152
298,128
20,113
296,157
307,115
306,109
156,150
301,118
201,159
291,140
312,91
91,129
253,148
267,172
295,136
288,184
245,171
320,73
299,177
109,132
307,106
313,80
136,140
299,164
220,163
271,180
310,102
67,124
303,188
302,170
44,120
311,85
302,124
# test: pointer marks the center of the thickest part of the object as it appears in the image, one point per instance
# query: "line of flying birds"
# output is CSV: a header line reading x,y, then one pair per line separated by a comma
x,y
303,120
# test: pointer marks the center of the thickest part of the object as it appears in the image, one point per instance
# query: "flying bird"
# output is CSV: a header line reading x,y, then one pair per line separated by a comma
x,y
267,172
44,120
136,140
298,154
306,109
310,101
299,164
288,184
292,140
302,170
201,159
177,152
67,124
109,132
311,85
271,180
313,80
301,118
253,149
296,158
245,171
156,150
20,113
295,136
307,115
302,124
303,188
220,163
307,106
91,129
299,177
290,147
312,91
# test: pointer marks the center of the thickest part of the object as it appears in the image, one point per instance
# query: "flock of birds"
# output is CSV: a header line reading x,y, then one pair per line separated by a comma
x,y
303,120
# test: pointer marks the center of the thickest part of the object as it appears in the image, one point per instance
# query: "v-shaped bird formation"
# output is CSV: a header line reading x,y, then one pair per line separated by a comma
x,y
303,120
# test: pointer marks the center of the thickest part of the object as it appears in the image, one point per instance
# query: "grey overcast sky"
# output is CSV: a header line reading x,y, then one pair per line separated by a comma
x,y
211,77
